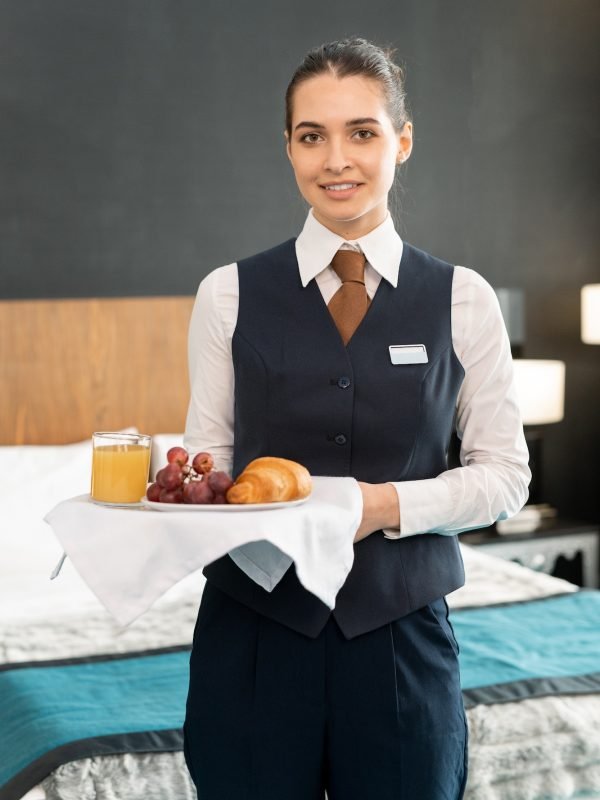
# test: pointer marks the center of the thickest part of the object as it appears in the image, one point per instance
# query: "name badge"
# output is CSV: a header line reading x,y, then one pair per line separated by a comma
x,y
408,354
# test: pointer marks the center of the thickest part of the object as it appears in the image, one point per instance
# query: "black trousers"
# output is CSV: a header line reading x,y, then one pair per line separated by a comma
x,y
275,715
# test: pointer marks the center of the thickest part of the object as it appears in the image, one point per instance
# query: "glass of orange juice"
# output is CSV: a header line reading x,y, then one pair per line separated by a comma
x,y
120,466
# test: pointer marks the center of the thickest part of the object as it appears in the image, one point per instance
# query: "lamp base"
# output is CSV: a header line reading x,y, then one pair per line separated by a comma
x,y
533,439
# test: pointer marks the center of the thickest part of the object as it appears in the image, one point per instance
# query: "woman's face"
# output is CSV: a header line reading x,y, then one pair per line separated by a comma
x,y
343,137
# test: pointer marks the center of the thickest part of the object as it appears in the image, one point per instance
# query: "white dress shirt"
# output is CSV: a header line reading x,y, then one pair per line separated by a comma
x,y
492,482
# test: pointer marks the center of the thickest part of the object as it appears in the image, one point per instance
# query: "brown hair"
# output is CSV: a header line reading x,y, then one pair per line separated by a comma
x,y
354,56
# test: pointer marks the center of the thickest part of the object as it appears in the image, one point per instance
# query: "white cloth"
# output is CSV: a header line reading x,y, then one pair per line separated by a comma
x,y
130,557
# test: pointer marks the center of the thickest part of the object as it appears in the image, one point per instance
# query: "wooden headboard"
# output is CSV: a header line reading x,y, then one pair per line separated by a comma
x,y
71,367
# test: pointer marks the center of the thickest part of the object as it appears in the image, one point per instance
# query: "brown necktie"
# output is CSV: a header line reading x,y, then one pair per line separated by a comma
x,y
349,304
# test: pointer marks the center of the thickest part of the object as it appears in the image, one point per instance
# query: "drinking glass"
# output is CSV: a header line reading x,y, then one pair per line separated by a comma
x,y
120,466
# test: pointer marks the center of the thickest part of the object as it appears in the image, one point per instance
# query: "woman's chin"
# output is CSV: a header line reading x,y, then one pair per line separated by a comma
x,y
354,214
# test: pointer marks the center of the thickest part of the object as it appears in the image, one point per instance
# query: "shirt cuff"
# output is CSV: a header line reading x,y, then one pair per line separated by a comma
x,y
426,506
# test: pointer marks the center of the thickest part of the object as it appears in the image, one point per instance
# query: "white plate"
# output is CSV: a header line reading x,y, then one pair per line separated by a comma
x,y
220,507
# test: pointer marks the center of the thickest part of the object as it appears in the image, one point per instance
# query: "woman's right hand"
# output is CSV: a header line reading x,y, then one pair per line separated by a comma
x,y
381,508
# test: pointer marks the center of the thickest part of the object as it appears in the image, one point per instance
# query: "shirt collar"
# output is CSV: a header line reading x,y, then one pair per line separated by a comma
x,y
316,245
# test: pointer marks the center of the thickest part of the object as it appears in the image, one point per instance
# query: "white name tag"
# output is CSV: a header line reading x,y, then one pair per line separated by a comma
x,y
408,354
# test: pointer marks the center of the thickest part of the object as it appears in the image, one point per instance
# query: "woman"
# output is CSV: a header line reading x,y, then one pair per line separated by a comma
x,y
355,354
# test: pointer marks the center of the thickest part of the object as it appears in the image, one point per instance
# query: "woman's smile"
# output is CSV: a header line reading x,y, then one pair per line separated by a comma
x,y
341,191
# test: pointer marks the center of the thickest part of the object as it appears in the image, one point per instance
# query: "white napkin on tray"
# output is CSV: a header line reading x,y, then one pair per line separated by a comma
x,y
130,557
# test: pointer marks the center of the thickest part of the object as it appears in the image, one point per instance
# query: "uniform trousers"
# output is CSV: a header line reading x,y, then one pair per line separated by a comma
x,y
275,715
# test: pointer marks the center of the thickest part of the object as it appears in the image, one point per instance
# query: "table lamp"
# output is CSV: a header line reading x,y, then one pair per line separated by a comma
x,y
590,313
541,393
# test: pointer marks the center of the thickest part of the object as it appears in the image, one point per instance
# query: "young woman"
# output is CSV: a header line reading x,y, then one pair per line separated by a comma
x,y
354,353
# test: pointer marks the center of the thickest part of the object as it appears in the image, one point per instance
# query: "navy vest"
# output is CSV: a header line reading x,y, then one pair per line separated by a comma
x,y
347,411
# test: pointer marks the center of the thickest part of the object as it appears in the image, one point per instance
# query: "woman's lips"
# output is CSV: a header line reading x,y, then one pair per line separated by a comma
x,y
347,189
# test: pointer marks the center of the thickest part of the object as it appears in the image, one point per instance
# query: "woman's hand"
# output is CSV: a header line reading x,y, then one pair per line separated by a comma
x,y
381,508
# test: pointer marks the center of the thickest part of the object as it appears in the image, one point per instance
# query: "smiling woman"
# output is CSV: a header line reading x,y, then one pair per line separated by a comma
x,y
355,354
345,165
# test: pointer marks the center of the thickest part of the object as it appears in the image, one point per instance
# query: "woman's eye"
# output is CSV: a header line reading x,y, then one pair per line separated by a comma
x,y
364,134
310,138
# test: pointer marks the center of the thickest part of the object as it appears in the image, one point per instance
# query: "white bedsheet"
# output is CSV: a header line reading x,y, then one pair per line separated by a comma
x,y
490,581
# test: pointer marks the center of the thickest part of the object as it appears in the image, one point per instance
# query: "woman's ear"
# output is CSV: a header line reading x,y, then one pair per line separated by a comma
x,y
288,149
405,143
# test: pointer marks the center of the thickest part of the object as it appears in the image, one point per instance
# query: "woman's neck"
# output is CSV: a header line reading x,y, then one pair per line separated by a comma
x,y
353,228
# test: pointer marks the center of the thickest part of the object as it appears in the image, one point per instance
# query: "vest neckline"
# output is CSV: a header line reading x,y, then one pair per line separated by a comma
x,y
377,301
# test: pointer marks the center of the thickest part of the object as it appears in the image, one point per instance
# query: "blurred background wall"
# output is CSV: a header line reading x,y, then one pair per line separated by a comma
x,y
141,146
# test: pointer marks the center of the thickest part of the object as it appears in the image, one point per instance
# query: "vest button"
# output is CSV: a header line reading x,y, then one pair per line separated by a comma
x,y
340,439
343,382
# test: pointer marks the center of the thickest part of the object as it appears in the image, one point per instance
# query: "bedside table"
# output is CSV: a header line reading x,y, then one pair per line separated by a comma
x,y
540,549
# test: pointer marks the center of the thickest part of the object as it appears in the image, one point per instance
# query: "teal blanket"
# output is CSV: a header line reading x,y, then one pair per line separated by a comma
x,y
52,712
530,649
103,705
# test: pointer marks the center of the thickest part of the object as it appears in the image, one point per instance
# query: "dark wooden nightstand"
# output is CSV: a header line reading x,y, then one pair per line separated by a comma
x,y
561,547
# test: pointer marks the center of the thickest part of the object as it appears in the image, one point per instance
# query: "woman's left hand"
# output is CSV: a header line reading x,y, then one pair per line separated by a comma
x,y
381,508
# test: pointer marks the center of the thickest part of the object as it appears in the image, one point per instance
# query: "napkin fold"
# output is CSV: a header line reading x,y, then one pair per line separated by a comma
x,y
263,562
130,557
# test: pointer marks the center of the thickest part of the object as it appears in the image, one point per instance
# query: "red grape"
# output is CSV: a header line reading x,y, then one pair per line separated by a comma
x,y
219,482
188,492
153,492
170,477
177,455
198,492
202,463
219,499
173,496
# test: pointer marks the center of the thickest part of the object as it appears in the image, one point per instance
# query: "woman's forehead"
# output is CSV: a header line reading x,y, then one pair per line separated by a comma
x,y
334,99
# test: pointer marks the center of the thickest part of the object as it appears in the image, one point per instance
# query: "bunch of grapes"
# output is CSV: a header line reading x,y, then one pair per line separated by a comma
x,y
181,482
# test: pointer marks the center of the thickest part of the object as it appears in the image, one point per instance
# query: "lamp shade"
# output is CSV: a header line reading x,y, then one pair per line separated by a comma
x,y
590,313
540,389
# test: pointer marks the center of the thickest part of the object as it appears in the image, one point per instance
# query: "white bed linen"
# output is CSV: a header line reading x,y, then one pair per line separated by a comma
x,y
32,478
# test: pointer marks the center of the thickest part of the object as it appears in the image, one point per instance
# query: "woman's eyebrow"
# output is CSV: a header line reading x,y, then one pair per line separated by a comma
x,y
349,124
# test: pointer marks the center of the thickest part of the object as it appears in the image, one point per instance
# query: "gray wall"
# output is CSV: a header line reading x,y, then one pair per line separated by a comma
x,y
141,146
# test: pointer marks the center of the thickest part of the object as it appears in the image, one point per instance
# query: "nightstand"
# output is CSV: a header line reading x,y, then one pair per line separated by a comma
x,y
560,547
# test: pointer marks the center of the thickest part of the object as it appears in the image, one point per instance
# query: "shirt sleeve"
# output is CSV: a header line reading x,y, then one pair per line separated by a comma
x,y
209,424
492,482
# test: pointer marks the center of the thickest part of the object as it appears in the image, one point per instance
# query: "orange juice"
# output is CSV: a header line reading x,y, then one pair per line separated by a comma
x,y
120,472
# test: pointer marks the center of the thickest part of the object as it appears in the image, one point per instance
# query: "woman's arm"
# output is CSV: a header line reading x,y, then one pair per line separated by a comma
x,y
209,424
492,483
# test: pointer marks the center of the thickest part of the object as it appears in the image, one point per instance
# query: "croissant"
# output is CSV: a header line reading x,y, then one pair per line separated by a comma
x,y
271,480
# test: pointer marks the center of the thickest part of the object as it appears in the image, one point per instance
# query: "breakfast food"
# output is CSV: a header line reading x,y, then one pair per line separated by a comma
x,y
265,480
271,480
195,483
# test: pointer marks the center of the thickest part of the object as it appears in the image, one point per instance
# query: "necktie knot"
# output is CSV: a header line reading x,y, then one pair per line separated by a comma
x,y
349,265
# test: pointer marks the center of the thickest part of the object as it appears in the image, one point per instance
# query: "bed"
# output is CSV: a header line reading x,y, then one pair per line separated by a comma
x,y
531,688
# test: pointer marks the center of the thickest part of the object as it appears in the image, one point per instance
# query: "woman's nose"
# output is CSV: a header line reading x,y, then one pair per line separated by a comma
x,y
336,157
